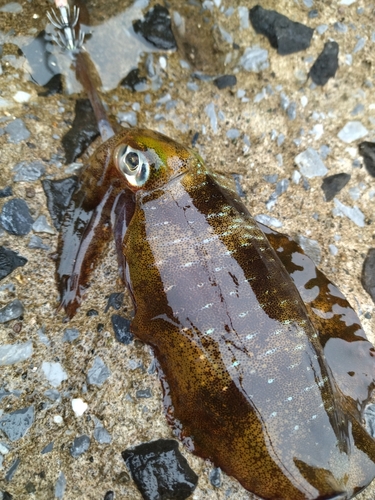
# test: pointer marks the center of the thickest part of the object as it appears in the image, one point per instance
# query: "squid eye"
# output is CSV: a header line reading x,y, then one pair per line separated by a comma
x,y
133,164
131,161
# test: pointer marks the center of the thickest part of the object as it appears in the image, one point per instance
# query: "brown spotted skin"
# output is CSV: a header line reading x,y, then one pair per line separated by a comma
x,y
268,385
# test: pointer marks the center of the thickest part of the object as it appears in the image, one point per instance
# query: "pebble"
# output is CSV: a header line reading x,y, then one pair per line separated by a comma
x,y
310,247
210,111
359,45
15,353
322,28
326,64
215,477
54,373
15,425
15,217
21,97
352,131
52,394
115,300
333,184
121,328
143,393
80,445
98,373
13,310
267,220
354,214
9,261
233,133
292,111
12,469
156,28
41,225
367,150
224,81
11,8
5,192
42,336
129,117
58,194
79,406
340,27
159,464
333,249
36,242
310,164
283,34
101,435
368,273
358,109
243,14
60,486
70,334
255,59
48,448
28,171
17,131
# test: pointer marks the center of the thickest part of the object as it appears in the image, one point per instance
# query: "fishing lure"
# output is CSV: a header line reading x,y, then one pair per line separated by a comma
x,y
264,365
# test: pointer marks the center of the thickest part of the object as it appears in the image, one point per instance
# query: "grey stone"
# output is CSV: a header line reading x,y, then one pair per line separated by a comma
x,y
101,435
210,111
359,45
368,275
48,448
310,247
255,59
80,445
41,225
143,393
54,373
17,131
60,486
352,131
354,214
16,218
13,310
11,8
267,220
14,353
12,469
28,171
16,424
233,133
310,164
36,242
98,373
70,334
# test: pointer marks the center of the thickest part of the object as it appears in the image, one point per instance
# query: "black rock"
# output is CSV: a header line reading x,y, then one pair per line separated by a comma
x,y
368,273
53,86
80,445
5,192
16,218
7,496
143,393
284,35
92,312
326,65
9,260
115,300
333,184
160,471
121,327
133,81
84,130
222,82
156,28
367,150
58,195
109,495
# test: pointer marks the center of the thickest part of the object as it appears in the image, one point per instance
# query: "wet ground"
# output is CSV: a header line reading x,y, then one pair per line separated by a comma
x,y
255,129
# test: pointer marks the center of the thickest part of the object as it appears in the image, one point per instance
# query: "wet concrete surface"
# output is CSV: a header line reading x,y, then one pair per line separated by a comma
x,y
248,129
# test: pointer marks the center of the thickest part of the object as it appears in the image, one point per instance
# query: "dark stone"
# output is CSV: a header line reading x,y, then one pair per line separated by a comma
x,y
30,487
7,496
160,471
368,273
222,82
53,86
80,445
12,469
367,150
215,477
333,184
92,312
115,300
133,81
48,448
143,393
84,130
109,495
16,218
283,34
17,131
326,65
9,261
58,195
5,192
39,58
121,327
195,139
156,28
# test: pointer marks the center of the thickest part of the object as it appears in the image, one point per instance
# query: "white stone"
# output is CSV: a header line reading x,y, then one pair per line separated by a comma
x,y
54,373
352,131
22,97
58,419
79,407
310,164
